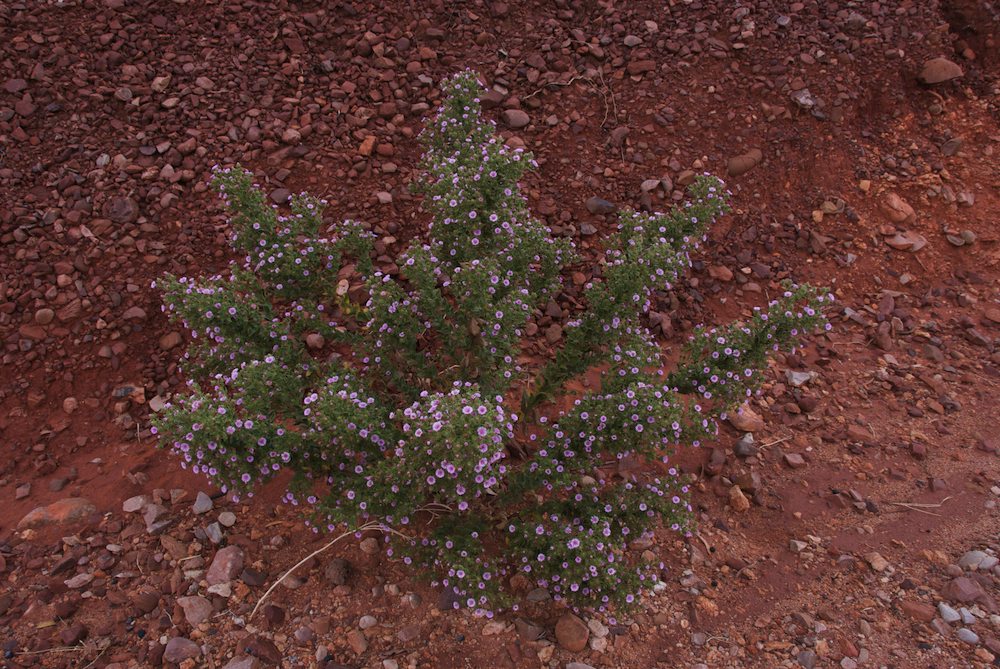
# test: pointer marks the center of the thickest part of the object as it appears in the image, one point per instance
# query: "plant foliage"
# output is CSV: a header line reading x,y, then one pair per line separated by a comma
x,y
395,396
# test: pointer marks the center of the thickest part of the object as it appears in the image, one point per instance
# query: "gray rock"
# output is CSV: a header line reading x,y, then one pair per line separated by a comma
x,y
971,560
798,379
227,518
968,636
214,533
367,622
744,446
202,504
948,614
807,659
153,513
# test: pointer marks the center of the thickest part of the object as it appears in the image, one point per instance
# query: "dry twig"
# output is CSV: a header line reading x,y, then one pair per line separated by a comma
x,y
363,528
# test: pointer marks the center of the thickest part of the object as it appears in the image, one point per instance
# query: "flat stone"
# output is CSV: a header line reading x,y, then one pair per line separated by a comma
x,y
408,633
921,611
179,649
197,609
135,504
795,460
797,546
79,581
69,511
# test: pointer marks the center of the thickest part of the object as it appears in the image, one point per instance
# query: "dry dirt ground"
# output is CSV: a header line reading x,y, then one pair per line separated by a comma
x,y
873,479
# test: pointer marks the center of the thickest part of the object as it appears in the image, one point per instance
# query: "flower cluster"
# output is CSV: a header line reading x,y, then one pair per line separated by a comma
x,y
390,396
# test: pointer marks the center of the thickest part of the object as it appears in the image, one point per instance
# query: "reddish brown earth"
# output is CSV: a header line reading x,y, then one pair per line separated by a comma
x,y
103,164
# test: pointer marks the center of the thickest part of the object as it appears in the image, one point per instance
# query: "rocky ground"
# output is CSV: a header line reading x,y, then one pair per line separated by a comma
x,y
850,521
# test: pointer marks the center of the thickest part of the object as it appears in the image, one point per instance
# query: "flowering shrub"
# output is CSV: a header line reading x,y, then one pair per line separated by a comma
x,y
391,396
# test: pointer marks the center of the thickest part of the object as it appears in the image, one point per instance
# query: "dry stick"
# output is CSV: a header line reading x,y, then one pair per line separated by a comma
x,y
920,507
918,510
367,526
775,442
924,505
702,539
60,649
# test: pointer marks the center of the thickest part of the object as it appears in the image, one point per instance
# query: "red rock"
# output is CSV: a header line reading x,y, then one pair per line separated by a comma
x,y
641,66
795,460
516,118
921,611
134,314
964,590
896,209
939,70
572,633
179,649
196,609
64,512
226,565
